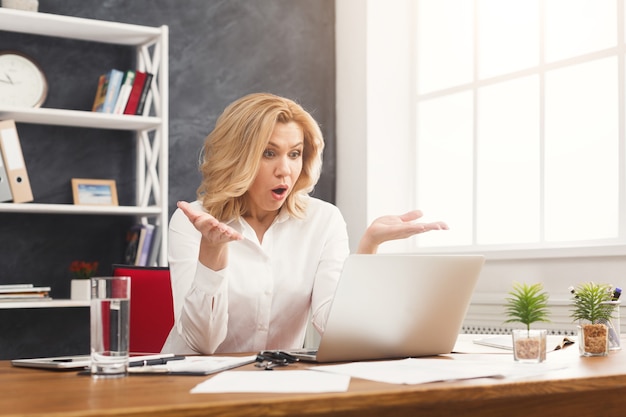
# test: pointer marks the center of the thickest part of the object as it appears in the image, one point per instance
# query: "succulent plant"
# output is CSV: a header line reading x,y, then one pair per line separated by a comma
x,y
527,304
590,302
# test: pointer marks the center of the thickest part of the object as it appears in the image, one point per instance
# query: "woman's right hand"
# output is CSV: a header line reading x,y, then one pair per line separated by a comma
x,y
215,237
213,231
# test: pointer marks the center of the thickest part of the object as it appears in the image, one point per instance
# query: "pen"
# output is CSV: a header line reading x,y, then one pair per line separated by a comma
x,y
616,293
158,361
572,290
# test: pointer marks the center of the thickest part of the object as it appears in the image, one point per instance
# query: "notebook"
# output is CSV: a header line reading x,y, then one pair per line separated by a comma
x,y
396,306
505,342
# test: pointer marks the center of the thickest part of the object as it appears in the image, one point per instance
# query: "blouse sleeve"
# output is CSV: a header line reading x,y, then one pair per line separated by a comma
x,y
334,253
200,294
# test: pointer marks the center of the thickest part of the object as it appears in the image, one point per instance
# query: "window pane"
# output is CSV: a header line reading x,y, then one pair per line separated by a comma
x,y
508,165
444,44
581,158
576,27
537,163
444,170
508,36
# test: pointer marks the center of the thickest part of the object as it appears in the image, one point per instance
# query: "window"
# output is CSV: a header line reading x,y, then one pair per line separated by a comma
x,y
520,125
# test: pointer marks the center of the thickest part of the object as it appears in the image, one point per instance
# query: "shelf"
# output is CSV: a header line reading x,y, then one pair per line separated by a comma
x,y
46,24
76,118
44,304
150,45
79,209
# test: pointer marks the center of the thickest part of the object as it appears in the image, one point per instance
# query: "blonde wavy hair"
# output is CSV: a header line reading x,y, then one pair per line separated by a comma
x,y
233,150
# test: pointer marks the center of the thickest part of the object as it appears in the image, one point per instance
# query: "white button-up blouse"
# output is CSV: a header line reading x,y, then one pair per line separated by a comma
x,y
264,297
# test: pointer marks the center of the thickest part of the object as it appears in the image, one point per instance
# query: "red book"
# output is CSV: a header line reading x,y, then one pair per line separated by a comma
x,y
144,94
135,93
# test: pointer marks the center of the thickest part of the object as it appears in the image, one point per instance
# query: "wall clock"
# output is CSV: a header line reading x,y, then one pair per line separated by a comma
x,y
22,81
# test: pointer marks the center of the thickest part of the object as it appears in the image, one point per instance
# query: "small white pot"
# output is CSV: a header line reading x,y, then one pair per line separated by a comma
x,y
81,289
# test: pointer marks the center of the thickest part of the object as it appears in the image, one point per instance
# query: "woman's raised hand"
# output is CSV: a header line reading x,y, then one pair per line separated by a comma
x,y
392,227
214,232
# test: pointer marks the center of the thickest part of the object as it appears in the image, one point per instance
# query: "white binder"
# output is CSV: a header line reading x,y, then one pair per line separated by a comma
x,y
5,188
14,162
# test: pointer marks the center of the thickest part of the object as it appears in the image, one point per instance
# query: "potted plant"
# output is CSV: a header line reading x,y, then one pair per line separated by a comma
x,y
81,271
528,304
593,308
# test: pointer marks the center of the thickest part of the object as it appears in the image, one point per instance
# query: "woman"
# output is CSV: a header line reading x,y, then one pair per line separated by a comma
x,y
256,256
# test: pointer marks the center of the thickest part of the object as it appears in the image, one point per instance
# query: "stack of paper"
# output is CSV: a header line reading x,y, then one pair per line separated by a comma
x,y
23,292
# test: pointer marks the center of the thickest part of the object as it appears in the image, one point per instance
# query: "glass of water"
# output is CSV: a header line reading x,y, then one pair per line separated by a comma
x,y
110,314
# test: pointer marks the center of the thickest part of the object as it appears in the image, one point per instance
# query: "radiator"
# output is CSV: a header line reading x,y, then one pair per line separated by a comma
x,y
486,315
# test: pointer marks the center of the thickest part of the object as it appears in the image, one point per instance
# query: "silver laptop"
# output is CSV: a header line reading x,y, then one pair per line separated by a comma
x,y
395,306
84,361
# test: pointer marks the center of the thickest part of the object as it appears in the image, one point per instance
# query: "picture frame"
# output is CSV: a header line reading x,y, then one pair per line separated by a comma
x,y
94,192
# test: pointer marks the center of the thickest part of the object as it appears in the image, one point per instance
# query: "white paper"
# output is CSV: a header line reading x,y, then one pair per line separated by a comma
x,y
283,381
423,370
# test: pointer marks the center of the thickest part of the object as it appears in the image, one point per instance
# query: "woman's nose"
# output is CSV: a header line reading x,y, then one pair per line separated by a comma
x,y
282,167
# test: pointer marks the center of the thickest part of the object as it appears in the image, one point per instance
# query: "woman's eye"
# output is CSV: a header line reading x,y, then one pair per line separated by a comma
x,y
295,154
268,153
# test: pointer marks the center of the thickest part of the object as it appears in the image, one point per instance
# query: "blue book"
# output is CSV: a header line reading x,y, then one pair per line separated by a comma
x,y
115,78
145,242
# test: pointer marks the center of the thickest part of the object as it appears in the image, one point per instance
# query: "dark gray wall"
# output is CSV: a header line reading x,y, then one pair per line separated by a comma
x,y
219,50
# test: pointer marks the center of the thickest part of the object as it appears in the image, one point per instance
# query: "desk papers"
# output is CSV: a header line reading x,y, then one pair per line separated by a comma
x,y
423,370
283,381
336,378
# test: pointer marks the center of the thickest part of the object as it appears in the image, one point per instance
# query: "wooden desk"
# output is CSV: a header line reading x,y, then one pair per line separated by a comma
x,y
589,387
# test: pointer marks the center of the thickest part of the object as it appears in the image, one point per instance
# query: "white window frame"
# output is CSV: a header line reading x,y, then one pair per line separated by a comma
x,y
607,247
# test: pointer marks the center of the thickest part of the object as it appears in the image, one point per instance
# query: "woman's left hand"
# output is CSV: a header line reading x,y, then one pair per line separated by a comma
x,y
393,227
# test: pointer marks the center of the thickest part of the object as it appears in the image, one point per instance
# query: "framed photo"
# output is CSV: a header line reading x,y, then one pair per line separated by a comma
x,y
94,192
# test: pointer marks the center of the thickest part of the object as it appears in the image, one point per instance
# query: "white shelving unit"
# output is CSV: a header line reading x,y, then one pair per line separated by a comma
x,y
44,304
151,132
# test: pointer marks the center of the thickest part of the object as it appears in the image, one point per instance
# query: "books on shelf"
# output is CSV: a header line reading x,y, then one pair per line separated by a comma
x,y
122,97
135,93
145,241
9,287
141,241
132,243
155,247
23,292
123,92
98,101
107,96
144,98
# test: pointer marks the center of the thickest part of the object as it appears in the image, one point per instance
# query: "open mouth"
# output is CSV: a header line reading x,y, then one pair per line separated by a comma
x,y
279,191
